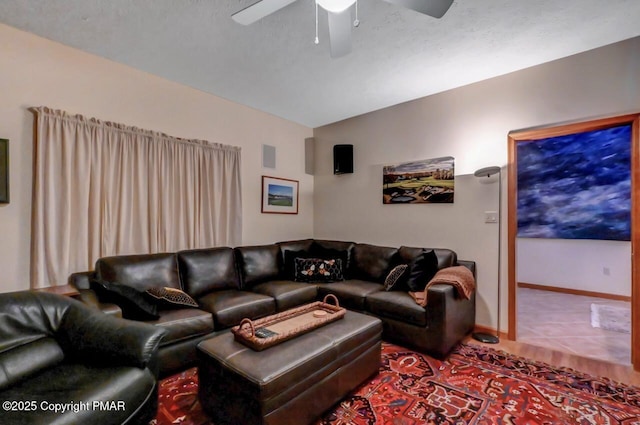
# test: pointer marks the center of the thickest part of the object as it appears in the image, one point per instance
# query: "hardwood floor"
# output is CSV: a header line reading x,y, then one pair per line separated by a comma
x,y
556,329
616,372
563,322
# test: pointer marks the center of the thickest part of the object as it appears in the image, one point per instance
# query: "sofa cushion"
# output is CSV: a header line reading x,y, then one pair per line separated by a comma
x,y
140,271
318,251
396,305
206,270
371,262
446,257
184,323
297,245
289,250
135,304
421,270
351,293
318,270
258,264
331,249
289,266
170,298
337,245
28,359
76,383
287,294
230,306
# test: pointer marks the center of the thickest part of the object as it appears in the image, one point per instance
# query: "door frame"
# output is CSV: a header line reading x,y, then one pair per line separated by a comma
x,y
512,222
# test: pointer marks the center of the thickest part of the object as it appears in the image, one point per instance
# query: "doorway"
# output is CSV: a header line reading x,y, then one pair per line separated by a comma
x,y
556,131
580,323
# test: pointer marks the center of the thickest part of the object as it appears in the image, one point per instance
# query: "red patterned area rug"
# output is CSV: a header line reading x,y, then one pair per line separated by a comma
x,y
475,385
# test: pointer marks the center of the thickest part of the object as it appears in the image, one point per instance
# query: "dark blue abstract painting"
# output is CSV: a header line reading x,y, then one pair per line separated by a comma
x,y
576,186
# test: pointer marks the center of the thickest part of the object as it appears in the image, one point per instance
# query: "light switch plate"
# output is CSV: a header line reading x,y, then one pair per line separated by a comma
x,y
490,216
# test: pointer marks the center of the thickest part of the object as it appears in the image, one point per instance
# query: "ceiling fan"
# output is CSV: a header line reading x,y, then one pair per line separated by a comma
x,y
339,14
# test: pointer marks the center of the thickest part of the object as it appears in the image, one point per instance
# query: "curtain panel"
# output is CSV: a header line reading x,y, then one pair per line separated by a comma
x,y
102,188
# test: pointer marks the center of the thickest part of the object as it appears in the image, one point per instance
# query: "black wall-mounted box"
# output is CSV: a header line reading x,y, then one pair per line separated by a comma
x,y
342,159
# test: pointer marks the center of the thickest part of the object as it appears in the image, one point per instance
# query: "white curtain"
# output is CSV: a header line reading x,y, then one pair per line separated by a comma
x,y
102,189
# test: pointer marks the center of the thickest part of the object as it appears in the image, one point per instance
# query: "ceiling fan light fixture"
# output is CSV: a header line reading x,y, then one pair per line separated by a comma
x,y
335,6
339,16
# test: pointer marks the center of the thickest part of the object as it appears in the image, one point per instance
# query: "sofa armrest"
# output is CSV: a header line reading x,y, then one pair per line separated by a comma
x,y
81,280
453,315
90,298
101,339
471,265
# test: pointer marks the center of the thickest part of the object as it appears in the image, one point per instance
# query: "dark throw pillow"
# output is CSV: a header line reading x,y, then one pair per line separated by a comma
x,y
319,251
318,270
135,304
422,270
289,262
397,277
169,298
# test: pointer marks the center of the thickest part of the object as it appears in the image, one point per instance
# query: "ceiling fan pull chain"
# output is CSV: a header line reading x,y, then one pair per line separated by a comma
x,y
356,23
317,41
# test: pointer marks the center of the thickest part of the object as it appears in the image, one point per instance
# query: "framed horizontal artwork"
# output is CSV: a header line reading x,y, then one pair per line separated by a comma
x,y
4,171
428,181
576,185
279,196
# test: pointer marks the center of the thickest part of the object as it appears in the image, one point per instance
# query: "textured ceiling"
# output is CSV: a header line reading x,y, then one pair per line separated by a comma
x,y
274,65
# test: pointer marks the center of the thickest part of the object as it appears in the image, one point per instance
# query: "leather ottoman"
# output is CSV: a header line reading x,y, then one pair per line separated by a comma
x,y
293,382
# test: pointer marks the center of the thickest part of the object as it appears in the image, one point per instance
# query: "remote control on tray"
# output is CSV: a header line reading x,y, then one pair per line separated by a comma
x,y
265,333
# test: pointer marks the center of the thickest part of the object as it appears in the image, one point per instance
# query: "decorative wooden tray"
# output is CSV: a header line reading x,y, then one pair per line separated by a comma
x,y
283,326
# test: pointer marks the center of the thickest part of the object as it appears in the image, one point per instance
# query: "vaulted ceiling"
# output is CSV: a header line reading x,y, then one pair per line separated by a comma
x,y
274,65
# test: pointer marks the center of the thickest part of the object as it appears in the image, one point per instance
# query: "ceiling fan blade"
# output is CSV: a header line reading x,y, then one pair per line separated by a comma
x,y
340,33
259,10
435,8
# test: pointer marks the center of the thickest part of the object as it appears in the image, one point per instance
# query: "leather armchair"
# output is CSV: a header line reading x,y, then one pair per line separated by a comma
x,y
62,362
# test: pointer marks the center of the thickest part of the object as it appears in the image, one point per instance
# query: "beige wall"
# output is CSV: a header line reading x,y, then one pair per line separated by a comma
x,y
37,72
471,124
595,266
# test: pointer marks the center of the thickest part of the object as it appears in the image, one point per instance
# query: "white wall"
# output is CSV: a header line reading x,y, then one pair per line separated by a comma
x,y
584,265
471,124
37,72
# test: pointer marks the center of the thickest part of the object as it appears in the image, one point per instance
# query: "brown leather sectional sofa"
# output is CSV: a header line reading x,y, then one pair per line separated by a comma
x,y
230,284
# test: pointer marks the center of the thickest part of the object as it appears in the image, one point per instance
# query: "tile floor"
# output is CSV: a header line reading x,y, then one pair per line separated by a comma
x,y
563,322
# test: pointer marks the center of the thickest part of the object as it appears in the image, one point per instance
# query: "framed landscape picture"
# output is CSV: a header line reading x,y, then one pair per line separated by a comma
x,y
429,181
4,171
279,196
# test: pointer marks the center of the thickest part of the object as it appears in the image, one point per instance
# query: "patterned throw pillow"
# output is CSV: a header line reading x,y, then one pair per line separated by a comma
x,y
396,278
171,297
290,262
317,270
